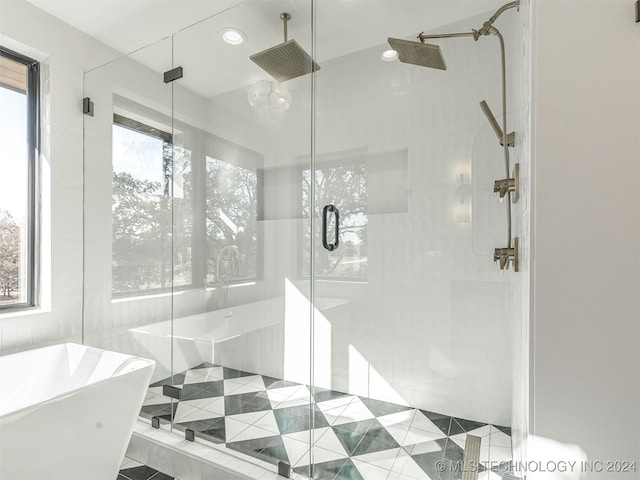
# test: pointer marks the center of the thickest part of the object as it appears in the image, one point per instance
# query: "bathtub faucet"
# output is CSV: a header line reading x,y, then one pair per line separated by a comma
x,y
221,280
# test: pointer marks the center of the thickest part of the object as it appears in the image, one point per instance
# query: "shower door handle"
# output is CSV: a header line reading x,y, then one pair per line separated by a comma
x,y
326,211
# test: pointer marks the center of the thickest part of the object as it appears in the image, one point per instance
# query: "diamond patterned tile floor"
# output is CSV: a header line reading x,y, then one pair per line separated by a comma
x,y
132,470
354,437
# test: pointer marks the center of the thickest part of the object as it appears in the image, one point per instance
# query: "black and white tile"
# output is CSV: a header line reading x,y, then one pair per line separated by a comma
x,y
354,437
132,470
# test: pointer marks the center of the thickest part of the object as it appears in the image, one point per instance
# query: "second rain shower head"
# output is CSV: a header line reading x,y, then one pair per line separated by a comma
x,y
418,53
287,60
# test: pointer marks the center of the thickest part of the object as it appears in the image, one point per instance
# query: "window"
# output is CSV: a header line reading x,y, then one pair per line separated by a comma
x,y
176,222
231,219
19,134
151,210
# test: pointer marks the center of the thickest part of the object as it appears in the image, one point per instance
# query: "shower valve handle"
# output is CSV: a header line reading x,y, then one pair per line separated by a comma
x,y
328,209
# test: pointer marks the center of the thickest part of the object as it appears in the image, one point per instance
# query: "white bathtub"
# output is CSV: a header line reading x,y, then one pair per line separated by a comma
x,y
67,411
269,337
221,336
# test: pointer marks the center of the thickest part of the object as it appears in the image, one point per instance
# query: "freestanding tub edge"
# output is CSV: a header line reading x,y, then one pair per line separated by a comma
x,y
67,411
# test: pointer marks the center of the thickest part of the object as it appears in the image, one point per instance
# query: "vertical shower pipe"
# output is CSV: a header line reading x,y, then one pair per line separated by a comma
x,y
495,32
489,29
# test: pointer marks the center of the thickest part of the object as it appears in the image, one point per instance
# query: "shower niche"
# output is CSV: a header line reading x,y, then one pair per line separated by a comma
x,y
306,250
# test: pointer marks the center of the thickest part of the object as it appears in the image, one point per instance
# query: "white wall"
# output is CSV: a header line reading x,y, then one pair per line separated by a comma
x,y
586,331
65,54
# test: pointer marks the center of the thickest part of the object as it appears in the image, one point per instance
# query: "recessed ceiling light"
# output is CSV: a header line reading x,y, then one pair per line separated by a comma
x,y
233,36
389,55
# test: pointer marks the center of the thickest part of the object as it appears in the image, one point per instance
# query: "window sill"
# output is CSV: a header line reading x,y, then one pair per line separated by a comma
x,y
23,312
248,283
152,296
348,281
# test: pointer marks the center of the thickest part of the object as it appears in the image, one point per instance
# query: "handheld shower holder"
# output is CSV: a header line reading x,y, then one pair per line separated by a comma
x,y
509,185
508,255
511,140
511,137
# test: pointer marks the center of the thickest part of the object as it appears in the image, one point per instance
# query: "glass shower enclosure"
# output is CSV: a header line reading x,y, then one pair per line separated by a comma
x,y
307,255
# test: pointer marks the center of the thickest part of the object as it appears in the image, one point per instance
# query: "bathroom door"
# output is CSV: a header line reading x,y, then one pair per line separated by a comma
x,y
365,279
411,322
383,240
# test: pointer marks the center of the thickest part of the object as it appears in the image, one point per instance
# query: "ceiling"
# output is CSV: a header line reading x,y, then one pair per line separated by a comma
x,y
342,27
127,25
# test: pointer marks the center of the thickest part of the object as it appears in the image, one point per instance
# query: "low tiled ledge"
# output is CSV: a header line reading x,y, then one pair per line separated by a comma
x,y
171,454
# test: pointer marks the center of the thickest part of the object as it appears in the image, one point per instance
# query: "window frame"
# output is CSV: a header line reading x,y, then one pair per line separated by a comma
x,y
33,182
167,139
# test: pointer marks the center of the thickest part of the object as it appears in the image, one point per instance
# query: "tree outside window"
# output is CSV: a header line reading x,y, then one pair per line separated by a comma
x,y
151,213
9,257
231,221
154,200
343,184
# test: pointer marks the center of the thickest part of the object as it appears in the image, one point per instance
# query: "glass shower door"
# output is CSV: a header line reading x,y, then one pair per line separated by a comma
x,y
411,320
301,256
241,309
127,214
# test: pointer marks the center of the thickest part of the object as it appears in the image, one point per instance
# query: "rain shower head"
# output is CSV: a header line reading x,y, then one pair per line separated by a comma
x,y
287,60
418,53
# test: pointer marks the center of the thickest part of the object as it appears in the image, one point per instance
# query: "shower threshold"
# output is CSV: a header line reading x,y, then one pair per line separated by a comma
x,y
273,421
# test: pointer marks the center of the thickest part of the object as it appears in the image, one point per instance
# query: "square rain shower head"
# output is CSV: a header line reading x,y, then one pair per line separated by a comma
x,y
417,53
285,61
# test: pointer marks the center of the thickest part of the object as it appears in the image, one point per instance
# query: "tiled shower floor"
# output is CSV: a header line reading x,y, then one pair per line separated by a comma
x,y
132,470
355,437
